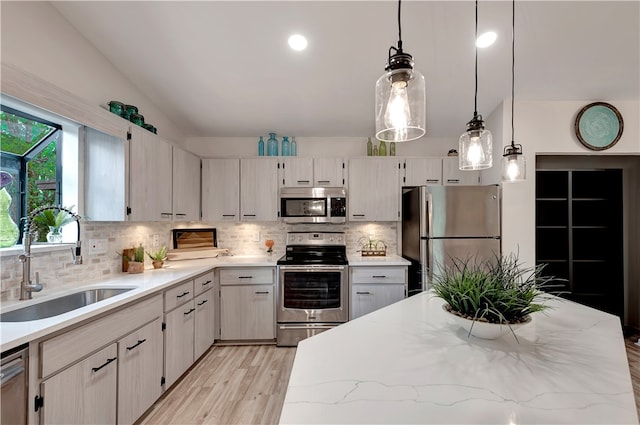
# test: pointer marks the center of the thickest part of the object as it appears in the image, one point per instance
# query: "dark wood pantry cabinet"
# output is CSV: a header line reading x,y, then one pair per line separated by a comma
x,y
579,234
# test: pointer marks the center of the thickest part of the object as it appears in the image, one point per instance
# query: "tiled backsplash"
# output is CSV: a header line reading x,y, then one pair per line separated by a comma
x,y
56,267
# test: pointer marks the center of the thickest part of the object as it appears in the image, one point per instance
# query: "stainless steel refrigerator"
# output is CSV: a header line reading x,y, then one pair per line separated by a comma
x,y
440,223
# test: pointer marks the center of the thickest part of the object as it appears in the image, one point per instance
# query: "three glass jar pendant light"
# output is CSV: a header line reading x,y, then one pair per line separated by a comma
x,y
401,104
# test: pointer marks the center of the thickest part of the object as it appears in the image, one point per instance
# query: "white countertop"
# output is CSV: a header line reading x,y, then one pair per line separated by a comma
x,y
13,334
357,260
409,363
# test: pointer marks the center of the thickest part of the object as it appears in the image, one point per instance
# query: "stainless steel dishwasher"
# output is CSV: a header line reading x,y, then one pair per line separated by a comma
x,y
13,375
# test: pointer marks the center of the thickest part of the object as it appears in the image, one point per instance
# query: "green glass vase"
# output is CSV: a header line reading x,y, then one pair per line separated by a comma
x,y
9,232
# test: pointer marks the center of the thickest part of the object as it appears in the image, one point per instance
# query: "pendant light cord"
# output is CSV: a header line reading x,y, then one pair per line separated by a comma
x,y
475,96
399,27
513,65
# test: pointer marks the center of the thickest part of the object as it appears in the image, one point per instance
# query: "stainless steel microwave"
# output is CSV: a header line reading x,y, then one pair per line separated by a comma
x,y
313,204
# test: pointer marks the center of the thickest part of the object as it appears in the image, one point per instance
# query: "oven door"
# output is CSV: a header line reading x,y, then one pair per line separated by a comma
x,y
312,294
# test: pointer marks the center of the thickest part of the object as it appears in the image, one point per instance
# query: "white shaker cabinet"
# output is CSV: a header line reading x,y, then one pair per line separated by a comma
x,y
150,177
139,371
375,287
452,175
186,185
328,172
259,189
422,171
247,303
221,189
179,332
84,393
374,189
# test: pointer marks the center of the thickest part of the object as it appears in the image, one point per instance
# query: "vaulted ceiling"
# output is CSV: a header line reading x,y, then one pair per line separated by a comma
x,y
223,68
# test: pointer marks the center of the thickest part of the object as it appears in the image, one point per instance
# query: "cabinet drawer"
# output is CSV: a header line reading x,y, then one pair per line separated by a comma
x,y
377,274
71,346
203,283
256,275
178,295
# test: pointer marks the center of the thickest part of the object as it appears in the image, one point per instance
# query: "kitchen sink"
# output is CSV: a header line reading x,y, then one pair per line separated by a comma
x,y
61,305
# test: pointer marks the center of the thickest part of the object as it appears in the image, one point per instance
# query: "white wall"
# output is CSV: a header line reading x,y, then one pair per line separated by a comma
x,y
545,128
209,147
37,39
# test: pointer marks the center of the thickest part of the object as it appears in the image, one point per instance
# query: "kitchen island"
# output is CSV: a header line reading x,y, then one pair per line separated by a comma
x,y
410,363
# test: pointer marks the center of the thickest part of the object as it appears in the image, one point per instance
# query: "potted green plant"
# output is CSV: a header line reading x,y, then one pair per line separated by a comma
x,y
158,257
53,222
494,297
136,264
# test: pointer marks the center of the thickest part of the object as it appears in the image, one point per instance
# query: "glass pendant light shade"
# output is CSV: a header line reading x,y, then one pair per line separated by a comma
x,y
400,105
513,164
475,147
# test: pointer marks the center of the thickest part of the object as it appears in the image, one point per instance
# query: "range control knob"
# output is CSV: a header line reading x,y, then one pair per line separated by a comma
x,y
299,238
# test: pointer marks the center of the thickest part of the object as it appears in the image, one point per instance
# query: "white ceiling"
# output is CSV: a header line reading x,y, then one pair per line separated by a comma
x,y
223,68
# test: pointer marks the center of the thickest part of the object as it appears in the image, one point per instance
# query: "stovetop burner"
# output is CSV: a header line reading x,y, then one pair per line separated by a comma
x,y
315,248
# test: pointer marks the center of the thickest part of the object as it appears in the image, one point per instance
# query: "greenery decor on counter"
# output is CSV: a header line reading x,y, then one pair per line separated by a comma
x,y
133,260
497,291
158,257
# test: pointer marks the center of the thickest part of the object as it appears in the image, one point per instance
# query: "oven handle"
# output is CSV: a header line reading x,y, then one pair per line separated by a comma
x,y
308,326
313,268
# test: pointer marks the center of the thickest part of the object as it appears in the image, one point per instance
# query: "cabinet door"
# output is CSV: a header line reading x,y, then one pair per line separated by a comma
x,y
259,195
205,323
452,175
422,171
247,312
139,371
150,177
297,172
221,189
178,344
84,393
328,172
366,298
374,190
186,185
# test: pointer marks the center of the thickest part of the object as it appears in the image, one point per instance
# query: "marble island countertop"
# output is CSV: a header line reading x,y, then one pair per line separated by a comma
x,y
410,363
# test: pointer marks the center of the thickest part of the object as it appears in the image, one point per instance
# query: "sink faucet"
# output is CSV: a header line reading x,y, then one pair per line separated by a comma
x,y
26,287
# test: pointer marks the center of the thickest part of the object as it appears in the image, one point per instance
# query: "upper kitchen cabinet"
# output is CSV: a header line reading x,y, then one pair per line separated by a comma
x,y
374,192
150,177
422,171
106,162
259,183
221,189
186,185
452,175
312,172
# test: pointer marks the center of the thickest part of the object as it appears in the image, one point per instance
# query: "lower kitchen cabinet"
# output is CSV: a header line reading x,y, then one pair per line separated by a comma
x,y
375,287
84,393
204,325
247,304
178,340
139,371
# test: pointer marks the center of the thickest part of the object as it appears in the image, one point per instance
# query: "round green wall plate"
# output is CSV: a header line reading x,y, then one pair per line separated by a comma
x,y
599,126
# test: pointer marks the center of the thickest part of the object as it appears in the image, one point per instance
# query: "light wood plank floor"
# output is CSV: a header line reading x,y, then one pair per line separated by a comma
x,y
246,385
231,385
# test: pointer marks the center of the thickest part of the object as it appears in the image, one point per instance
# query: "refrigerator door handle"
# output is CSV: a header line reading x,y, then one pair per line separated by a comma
x,y
425,264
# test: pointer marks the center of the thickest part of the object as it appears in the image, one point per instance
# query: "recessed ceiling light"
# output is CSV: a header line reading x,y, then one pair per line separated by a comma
x,y
297,42
486,39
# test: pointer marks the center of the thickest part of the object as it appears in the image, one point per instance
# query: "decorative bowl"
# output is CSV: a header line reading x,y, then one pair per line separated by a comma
x,y
485,330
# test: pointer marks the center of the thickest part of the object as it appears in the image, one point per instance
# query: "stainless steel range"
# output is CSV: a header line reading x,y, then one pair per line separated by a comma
x,y
312,286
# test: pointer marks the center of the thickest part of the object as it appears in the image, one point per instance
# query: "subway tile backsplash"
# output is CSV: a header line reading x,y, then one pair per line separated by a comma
x,y
56,267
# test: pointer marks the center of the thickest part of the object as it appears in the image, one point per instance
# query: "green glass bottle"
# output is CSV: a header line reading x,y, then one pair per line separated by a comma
x,y
369,147
9,232
382,150
392,149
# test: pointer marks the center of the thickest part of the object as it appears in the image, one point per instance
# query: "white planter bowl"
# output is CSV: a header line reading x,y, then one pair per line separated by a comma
x,y
484,330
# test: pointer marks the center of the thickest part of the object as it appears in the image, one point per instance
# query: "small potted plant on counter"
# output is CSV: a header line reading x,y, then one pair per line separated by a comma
x,y
491,298
136,264
158,257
